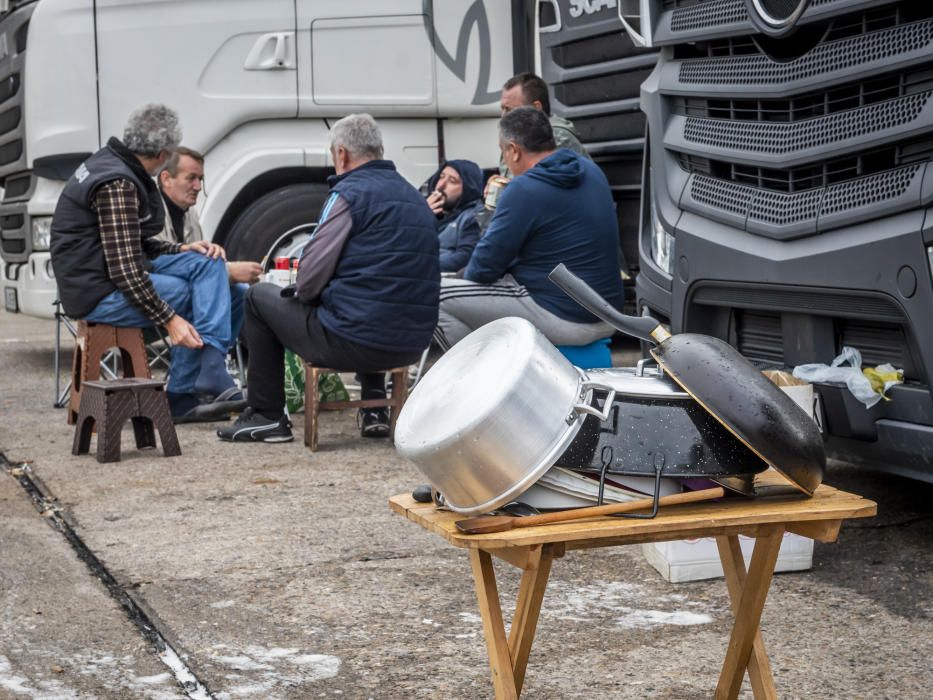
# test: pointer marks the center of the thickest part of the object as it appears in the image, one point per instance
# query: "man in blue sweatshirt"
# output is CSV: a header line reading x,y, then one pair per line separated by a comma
x,y
557,209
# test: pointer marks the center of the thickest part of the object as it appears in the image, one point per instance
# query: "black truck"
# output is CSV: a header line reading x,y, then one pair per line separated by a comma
x,y
788,186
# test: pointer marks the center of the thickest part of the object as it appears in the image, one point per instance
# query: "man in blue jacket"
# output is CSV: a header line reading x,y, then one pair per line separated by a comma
x,y
456,198
557,209
366,295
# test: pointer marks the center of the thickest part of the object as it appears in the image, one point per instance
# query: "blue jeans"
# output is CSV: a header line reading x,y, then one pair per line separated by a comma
x,y
196,287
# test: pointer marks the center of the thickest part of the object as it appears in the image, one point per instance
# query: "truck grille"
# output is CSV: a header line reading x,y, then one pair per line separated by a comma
x,y
769,153
15,241
697,15
873,323
14,28
595,74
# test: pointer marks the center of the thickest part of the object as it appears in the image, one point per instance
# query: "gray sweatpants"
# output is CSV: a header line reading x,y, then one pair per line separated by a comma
x,y
465,306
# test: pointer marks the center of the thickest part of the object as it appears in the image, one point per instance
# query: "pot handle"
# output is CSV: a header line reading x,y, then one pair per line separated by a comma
x,y
607,406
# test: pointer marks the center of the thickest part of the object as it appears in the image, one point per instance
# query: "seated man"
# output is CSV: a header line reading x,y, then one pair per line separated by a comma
x,y
366,295
557,209
110,267
180,182
456,198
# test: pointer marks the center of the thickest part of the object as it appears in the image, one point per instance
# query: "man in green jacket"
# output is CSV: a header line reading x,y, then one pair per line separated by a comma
x,y
528,90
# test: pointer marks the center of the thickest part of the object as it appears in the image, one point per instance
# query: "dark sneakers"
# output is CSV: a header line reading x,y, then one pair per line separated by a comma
x,y
373,422
252,426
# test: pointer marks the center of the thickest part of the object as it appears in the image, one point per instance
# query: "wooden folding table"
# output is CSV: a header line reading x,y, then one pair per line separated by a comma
x,y
533,549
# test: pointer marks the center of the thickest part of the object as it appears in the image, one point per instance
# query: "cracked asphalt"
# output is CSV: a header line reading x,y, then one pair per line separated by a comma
x,y
277,573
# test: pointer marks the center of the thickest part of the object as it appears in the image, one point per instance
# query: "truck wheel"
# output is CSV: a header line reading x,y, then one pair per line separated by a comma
x,y
264,221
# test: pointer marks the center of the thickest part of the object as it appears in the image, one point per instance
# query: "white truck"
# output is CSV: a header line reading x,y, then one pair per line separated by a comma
x,y
256,85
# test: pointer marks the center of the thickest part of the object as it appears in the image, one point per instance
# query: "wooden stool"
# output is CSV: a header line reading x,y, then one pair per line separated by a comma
x,y
92,342
108,405
394,401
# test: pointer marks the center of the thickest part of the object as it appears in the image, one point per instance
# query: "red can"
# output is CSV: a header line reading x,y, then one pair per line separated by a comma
x,y
281,263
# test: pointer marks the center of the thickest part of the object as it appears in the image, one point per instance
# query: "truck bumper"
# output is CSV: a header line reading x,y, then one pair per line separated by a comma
x,y
29,288
795,302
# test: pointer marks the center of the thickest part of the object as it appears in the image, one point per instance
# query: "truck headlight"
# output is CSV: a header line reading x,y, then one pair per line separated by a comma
x,y
637,20
662,243
41,232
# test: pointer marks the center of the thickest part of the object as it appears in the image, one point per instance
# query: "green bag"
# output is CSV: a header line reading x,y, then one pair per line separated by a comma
x,y
329,385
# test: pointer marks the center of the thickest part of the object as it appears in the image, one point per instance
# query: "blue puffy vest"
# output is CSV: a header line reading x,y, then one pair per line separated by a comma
x,y
384,292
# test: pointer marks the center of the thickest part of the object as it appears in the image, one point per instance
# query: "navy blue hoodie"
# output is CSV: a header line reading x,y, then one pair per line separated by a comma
x,y
559,211
457,229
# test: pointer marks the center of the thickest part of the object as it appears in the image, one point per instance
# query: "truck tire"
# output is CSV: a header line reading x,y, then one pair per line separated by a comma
x,y
266,219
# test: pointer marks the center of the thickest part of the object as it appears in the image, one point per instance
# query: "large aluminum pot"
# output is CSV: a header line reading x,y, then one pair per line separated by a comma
x,y
493,415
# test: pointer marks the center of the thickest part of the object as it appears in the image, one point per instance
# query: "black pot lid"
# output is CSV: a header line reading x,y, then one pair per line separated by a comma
x,y
748,404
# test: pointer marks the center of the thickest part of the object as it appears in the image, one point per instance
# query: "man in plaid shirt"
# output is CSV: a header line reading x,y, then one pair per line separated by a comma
x,y
111,268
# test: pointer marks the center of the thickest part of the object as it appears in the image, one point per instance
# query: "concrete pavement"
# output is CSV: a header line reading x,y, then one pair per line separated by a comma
x,y
277,573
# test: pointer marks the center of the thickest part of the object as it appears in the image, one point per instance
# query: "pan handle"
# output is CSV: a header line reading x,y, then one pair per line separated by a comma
x,y
642,327
607,407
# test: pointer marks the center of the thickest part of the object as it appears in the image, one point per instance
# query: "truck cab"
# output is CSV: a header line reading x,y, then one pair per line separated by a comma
x,y
788,193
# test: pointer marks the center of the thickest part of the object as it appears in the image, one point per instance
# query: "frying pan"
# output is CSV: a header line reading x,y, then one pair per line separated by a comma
x,y
727,385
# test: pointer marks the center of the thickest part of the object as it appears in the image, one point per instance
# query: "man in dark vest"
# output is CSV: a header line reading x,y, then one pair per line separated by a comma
x,y
110,267
367,289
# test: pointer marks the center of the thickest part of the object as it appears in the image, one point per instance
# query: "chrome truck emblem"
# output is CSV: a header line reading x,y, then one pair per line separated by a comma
x,y
775,17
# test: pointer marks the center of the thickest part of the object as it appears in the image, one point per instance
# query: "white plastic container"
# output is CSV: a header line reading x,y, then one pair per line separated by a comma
x,y
698,559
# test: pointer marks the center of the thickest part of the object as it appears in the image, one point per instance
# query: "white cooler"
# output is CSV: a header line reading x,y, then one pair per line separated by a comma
x,y
694,560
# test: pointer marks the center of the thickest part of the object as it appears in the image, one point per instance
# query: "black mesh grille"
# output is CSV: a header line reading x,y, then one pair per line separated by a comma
x,y
809,105
708,14
869,190
722,194
828,57
783,209
778,138
821,174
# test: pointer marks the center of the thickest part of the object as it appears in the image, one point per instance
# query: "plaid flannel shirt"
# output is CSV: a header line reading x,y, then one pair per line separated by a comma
x,y
117,204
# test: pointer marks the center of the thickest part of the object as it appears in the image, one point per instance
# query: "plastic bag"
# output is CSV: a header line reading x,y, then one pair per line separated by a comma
x,y
852,376
330,385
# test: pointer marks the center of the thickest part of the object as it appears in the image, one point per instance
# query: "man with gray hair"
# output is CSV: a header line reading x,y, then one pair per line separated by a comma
x,y
111,268
557,209
366,295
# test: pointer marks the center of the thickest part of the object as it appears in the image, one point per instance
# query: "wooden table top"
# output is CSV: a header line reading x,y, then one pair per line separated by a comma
x,y
813,517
